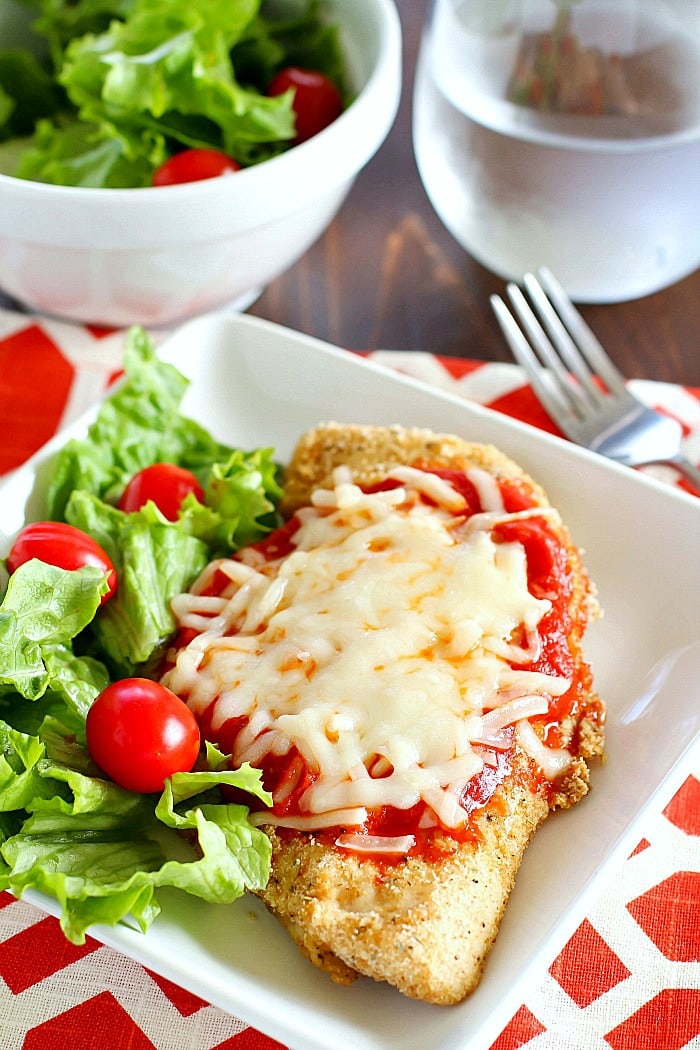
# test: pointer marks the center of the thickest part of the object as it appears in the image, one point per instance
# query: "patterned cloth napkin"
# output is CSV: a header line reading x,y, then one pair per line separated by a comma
x,y
629,977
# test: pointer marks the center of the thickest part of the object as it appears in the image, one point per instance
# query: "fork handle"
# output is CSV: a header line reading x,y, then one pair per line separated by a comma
x,y
690,472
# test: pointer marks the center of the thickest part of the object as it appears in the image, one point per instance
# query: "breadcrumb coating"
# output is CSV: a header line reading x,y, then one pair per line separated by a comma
x,y
425,926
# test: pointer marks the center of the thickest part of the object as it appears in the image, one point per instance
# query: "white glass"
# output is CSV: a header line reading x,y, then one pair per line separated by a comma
x,y
565,133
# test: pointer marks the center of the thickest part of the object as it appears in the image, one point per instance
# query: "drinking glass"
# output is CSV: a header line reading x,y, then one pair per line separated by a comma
x,y
565,133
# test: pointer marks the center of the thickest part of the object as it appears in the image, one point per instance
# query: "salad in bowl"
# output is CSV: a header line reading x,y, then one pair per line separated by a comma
x,y
163,158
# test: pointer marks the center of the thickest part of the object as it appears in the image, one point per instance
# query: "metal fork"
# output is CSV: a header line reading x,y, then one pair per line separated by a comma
x,y
577,383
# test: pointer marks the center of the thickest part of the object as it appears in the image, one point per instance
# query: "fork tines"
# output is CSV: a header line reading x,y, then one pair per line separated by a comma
x,y
554,336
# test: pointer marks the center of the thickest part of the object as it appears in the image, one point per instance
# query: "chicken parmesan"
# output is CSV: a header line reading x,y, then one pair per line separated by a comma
x,y
403,661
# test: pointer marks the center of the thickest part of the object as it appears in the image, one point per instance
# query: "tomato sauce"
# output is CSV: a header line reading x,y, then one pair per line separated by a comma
x,y
550,575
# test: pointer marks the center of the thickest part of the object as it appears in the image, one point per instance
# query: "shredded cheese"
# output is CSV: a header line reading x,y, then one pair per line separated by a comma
x,y
375,843
379,649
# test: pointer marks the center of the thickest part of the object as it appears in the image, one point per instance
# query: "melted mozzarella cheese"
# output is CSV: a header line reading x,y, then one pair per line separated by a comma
x,y
378,649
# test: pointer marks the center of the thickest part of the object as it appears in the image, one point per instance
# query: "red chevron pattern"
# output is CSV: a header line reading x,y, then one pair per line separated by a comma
x,y
628,978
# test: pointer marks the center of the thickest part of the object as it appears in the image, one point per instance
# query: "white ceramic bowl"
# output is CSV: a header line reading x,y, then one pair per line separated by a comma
x,y
157,256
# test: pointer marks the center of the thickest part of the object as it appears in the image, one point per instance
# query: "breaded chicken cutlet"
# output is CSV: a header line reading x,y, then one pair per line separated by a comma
x,y
403,660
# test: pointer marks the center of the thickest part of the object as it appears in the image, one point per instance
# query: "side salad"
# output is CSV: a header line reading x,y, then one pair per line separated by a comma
x,y
69,636
115,90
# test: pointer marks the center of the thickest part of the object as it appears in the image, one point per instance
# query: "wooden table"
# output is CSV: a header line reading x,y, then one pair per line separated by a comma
x,y
388,275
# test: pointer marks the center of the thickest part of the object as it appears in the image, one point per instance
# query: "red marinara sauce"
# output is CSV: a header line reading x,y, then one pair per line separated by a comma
x,y
551,576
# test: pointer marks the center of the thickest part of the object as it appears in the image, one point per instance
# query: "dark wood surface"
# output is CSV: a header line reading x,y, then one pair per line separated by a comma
x,y
388,275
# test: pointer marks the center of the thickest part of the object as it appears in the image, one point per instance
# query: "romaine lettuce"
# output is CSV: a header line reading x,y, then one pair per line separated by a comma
x,y
65,829
156,559
128,82
103,852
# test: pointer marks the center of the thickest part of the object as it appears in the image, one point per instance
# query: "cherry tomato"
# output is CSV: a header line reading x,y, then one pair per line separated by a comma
x,y
139,733
317,101
64,546
165,484
193,165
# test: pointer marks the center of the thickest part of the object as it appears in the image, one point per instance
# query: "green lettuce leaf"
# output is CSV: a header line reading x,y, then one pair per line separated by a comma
x,y
43,609
241,494
156,559
59,22
166,70
234,851
290,35
65,830
71,152
103,852
140,424
28,92
20,780
132,81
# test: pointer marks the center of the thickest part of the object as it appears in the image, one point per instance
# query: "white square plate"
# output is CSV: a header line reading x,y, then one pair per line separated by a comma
x,y
256,384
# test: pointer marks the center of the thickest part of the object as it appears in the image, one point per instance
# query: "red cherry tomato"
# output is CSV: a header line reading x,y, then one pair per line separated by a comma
x,y
317,101
193,165
165,484
139,733
64,546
